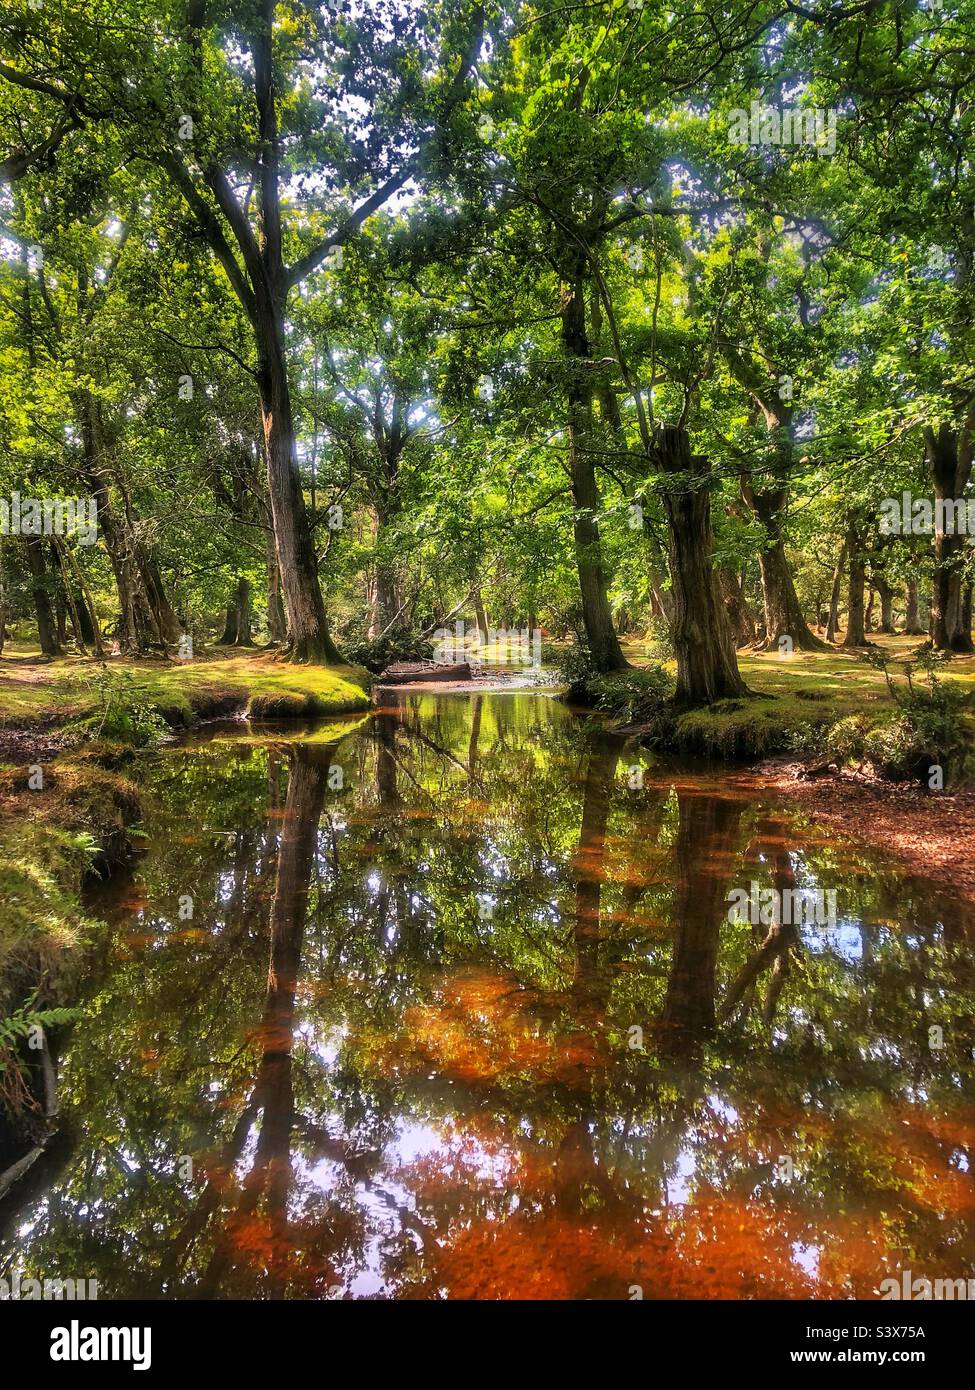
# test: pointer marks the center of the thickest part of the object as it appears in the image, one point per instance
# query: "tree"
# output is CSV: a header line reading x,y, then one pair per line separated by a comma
x,y
228,148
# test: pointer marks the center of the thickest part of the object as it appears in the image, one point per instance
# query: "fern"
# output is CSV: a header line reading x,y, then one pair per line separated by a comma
x,y
21,1024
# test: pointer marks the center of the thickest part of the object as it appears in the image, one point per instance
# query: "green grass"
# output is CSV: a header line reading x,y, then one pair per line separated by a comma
x,y
36,692
799,697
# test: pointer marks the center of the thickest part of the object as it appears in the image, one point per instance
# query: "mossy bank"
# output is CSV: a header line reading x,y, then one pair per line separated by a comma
x,y
60,822
72,731
895,708
72,699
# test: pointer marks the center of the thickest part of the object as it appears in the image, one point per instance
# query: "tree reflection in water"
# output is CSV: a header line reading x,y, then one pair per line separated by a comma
x,y
396,1038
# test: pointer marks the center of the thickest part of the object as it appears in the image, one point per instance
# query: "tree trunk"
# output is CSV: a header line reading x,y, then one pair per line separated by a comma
x,y
131,630
166,622
736,606
229,635
46,628
783,613
661,598
914,627
835,592
868,611
707,665
237,629
886,593
60,610
387,579
89,626
307,625
388,598
601,638
277,626
480,616
77,626
146,617
949,458
243,606
3,598
159,618
135,620
855,633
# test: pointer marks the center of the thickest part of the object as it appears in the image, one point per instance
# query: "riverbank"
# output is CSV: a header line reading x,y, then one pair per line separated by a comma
x,y
69,804
60,822
45,705
833,706
930,833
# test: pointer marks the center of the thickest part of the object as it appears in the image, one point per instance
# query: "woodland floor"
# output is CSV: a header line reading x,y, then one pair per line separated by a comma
x,y
931,833
838,674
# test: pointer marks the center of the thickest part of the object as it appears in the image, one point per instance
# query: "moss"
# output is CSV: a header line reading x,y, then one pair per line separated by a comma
x,y
214,688
51,838
79,796
812,703
36,694
178,714
741,729
104,753
136,703
280,705
895,744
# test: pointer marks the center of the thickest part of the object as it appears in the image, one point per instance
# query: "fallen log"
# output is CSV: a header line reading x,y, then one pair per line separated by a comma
x,y
409,672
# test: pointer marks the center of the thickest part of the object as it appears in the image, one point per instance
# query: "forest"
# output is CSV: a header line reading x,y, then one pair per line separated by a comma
x,y
484,487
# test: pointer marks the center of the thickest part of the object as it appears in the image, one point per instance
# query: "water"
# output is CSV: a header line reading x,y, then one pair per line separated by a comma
x,y
440,1002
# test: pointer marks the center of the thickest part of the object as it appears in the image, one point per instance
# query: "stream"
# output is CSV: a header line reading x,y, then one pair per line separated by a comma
x,y
444,1001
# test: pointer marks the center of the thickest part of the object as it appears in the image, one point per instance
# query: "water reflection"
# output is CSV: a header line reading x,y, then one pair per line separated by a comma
x,y
459,1013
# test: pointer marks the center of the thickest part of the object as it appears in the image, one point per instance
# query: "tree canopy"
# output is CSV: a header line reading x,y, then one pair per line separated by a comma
x,y
616,320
